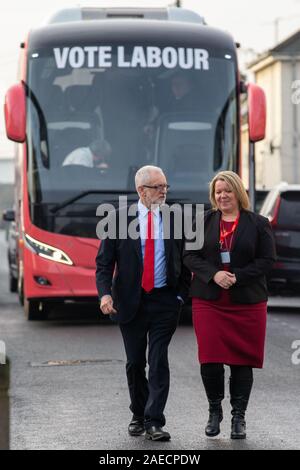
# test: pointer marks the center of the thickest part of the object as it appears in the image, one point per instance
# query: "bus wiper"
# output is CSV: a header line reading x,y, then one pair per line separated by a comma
x,y
81,195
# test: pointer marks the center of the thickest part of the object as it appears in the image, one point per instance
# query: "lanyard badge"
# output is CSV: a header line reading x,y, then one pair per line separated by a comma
x,y
225,256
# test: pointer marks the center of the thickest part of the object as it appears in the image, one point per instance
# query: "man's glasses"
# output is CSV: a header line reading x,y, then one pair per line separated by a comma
x,y
158,187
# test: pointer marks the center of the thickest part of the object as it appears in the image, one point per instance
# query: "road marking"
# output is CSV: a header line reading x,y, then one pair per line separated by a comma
x,y
75,362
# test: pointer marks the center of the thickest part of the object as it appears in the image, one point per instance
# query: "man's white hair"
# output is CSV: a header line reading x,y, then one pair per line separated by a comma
x,y
145,174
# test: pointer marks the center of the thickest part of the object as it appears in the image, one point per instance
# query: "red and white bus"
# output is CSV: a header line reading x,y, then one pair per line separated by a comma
x,y
108,75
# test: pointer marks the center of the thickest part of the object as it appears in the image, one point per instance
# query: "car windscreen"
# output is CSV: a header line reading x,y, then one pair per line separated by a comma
x,y
289,209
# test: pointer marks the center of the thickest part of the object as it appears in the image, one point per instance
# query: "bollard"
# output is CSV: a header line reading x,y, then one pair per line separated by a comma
x,y
4,405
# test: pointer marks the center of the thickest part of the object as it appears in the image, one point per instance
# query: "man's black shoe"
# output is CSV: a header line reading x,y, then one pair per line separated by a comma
x,y
136,426
157,434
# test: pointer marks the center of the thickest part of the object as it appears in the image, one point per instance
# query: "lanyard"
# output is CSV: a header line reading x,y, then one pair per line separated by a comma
x,y
224,233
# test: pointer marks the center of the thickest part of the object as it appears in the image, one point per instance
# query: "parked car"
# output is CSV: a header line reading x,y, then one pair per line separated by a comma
x,y
282,207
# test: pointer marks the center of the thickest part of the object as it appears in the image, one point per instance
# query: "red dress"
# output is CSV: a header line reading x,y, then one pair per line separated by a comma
x,y
227,332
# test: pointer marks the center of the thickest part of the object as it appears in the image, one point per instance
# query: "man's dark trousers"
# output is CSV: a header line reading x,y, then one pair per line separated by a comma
x,y
157,319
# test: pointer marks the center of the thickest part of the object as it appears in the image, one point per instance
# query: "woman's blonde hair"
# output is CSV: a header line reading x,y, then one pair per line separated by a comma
x,y
234,181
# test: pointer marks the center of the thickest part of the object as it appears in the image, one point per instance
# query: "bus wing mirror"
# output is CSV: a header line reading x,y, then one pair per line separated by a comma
x,y
8,215
256,112
15,113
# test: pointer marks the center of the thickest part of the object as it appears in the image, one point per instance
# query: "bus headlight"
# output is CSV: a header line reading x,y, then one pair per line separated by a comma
x,y
46,251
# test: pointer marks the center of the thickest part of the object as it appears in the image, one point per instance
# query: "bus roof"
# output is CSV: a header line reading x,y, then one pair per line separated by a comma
x,y
133,30
95,13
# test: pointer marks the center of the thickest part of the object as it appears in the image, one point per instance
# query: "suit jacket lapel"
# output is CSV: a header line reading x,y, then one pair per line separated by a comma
x,y
215,228
167,244
136,242
168,237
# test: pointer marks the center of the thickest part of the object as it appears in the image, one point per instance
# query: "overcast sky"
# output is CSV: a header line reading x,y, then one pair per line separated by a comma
x,y
252,23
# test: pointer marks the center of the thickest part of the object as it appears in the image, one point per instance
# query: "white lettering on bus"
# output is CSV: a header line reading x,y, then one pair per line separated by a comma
x,y
91,51
104,56
201,59
61,56
143,57
185,57
138,57
169,57
153,56
76,57
121,57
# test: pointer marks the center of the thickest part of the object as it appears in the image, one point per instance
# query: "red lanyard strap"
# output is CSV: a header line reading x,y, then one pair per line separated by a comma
x,y
224,233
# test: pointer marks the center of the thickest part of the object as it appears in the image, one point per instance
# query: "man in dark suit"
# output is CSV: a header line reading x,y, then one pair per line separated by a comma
x,y
145,294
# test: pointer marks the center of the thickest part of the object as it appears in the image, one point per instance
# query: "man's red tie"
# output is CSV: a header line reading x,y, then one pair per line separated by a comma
x,y
148,273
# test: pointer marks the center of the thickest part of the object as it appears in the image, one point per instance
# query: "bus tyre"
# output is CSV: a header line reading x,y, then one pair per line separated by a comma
x,y
13,283
34,310
20,289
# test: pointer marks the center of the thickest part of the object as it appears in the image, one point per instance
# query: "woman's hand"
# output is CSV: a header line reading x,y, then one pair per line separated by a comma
x,y
224,279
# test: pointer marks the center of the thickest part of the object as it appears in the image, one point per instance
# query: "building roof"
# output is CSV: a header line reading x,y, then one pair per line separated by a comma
x,y
289,47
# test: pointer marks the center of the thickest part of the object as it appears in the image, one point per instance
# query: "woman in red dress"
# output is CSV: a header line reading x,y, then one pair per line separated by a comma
x,y
229,298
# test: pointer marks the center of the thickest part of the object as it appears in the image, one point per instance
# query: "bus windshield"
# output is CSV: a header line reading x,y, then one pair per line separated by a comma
x,y
90,127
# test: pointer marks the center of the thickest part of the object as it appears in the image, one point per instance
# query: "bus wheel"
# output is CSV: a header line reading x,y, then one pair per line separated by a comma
x,y
35,310
20,289
13,283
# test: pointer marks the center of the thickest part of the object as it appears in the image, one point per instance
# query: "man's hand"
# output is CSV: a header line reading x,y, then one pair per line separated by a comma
x,y
107,305
224,279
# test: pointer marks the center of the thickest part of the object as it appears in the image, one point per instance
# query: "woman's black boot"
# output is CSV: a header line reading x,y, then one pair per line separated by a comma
x,y
214,387
240,390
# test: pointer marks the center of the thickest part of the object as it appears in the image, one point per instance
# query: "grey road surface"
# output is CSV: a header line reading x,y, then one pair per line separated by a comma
x,y
68,388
